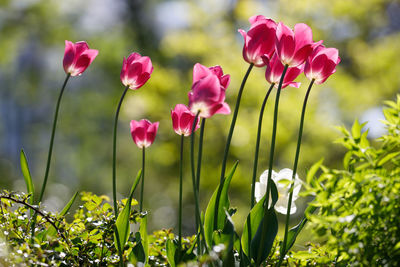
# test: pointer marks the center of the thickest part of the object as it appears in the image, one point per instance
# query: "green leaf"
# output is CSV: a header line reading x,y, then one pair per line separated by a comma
x,y
387,158
223,204
27,176
271,231
313,170
171,250
137,255
294,232
356,130
122,222
143,235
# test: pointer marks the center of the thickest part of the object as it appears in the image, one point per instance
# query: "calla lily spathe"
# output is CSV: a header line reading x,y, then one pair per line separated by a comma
x,y
77,57
282,180
136,70
321,64
143,132
259,40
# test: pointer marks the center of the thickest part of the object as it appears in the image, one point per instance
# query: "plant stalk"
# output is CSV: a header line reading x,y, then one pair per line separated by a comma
x,y
180,195
228,143
271,163
296,160
142,187
114,171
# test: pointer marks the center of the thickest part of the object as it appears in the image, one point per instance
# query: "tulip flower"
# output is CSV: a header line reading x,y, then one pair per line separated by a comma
x,y
182,120
208,92
274,72
259,40
293,48
77,57
143,132
321,64
282,180
136,70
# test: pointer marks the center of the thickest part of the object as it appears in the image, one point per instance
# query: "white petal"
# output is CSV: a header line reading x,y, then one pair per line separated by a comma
x,y
264,176
259,191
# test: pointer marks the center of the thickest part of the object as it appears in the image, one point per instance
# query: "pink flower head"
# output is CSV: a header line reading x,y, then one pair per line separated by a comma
x,y
182,120
135,71
259,40
293,48
77,57
321,64
207,96
143,132
274,72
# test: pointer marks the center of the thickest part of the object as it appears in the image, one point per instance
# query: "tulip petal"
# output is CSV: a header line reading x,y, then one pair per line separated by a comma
x,y
80,47
224,109
199,72
301,55
303,35
69,55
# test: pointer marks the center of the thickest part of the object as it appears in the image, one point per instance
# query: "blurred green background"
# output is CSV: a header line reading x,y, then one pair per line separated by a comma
x,y
176,35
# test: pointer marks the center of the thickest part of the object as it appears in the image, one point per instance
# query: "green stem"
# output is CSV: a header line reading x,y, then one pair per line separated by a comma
x,y
180,196
253,184
52,138
271,162
199,157
258,144
196,197
228,143
142,187
296,160
114,171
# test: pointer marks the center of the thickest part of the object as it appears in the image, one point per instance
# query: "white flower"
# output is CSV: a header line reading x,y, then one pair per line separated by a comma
x,y
282,180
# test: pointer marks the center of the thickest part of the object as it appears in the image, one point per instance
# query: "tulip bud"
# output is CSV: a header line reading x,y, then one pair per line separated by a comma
x,y
77,57
143,132
321,64
182,120
136,70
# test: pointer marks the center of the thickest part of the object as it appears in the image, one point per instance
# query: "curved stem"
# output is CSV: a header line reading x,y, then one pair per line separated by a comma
x,y
196,197
228,143
199,157
271,162
180,196
260,118
114,171
296,160
142,187
46,175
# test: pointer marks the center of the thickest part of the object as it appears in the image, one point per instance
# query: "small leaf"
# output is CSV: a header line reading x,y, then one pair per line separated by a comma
x,y
313,170
223,204
143,235
171,250
387,158
137,255
27,176
122,222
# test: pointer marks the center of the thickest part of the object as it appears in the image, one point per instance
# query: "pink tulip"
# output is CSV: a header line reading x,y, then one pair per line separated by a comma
x,y
136,71
208,91
321,64
182,120
77,57
143,132
259,40
274,72
293,48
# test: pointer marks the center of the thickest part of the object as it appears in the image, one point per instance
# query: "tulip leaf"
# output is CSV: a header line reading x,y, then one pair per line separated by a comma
x,y
122,222
223,204
294,232
144,237
27,176
254,222
171,251
137,255
271,231
52,231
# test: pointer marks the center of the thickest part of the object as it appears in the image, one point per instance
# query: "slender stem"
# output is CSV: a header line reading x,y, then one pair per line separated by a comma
x,y
199,157
114,171
142,187
252,202
196,197
260,118
228,143
271,162
46,175
180,196
296,160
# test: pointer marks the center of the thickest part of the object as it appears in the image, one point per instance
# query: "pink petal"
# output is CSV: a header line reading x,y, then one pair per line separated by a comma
x,y
301,55
199,72
207,89
225,80
224,109
141,80
69,55
133,71
303,35
133,57
175,122
80,47
151,133
81,65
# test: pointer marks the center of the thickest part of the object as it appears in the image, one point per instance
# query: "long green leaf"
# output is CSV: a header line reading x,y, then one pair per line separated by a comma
x,y
122,222
294,232
223,205
171,250
145,239
27,176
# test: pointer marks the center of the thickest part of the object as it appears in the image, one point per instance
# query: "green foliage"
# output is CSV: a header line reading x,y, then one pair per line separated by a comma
x,y
359,206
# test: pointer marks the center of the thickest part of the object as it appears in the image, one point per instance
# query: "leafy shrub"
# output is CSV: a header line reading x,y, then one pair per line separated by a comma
x,y
359,206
